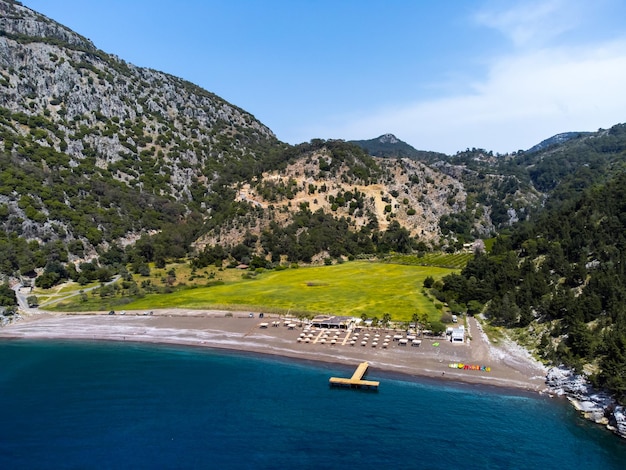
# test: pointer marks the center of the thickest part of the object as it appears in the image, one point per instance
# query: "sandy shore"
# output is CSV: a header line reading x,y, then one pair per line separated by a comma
x,y
510,366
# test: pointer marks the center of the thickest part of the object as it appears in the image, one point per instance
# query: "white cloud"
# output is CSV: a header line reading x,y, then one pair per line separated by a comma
x,y
524,99
535,22
558,77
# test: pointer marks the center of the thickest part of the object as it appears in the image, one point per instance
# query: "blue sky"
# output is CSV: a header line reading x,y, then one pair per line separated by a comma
x,y
440,75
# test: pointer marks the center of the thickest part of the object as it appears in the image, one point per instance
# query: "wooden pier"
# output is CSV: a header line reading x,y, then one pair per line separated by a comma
x,y
356,381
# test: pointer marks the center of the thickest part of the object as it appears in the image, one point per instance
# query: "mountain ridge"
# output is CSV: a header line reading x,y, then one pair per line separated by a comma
x,y
82,116
556,140
97,152
388,145
84,113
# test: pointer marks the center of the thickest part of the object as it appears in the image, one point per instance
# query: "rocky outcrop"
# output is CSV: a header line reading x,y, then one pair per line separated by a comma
x,y
8,319
17,20
619,414
595,405
94,100
69,108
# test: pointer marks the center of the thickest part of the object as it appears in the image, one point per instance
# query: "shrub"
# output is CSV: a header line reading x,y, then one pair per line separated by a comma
x,y
446,317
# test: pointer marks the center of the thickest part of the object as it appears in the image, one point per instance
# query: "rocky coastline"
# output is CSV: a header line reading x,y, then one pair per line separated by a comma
x,y
595,405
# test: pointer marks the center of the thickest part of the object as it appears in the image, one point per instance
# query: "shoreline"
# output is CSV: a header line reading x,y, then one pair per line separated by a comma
x,y
510,367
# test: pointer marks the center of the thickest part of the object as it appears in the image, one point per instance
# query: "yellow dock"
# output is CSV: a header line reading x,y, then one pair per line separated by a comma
x,y
356,381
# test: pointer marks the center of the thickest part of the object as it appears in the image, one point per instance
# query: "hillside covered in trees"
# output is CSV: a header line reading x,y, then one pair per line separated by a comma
x,y
562,277
97,154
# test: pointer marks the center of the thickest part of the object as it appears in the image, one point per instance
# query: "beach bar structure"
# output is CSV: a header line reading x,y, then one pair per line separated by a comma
x,y
356,381
332,321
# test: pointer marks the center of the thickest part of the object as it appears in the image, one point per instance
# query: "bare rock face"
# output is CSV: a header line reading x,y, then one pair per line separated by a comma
x,y
594,405
18,20
93,96
619,414
563,381
388,139
58,91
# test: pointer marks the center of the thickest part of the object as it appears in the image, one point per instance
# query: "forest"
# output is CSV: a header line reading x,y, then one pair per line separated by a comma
x,y
564,274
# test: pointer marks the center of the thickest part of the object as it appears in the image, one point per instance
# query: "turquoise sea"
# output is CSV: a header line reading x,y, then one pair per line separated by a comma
x,y
120,405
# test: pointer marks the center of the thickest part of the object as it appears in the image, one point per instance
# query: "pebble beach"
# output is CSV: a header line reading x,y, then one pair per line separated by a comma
x,y
504,365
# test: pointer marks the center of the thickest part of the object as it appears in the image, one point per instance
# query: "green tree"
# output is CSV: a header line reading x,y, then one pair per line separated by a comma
x,y
7,295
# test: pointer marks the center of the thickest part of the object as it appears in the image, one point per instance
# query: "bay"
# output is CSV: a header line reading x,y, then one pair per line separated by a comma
x,y
124,405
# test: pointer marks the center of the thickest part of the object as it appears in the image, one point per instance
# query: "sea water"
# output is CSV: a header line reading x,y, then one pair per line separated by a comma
x,y
125,405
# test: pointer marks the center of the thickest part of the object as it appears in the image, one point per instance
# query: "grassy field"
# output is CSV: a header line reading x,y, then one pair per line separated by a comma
x,y
353,288
61,291
442,260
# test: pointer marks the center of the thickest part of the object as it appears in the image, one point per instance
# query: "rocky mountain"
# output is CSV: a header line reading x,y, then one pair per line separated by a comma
x,y
556,140
336,178
97,153
388,145
95,149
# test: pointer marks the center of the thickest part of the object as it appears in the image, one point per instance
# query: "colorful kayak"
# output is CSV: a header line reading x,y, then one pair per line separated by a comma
x,y
460,365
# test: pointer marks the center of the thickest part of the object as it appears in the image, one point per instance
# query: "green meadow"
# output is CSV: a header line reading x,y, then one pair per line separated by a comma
x,y
353,288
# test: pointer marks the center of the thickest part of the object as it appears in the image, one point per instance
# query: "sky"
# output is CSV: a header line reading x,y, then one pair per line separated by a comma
x,y
443,75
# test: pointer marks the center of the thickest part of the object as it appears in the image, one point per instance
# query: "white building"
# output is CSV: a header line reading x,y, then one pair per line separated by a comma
x,y
458,335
